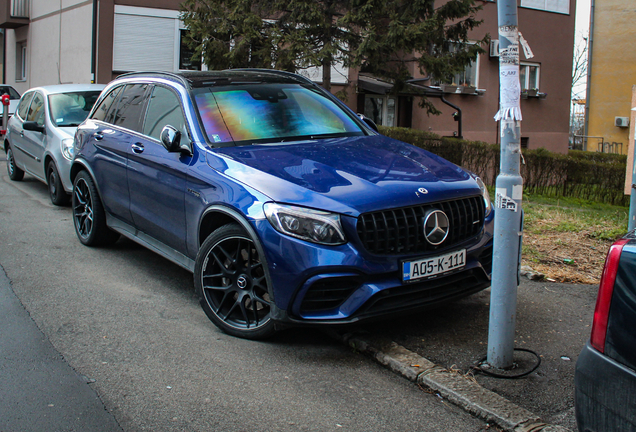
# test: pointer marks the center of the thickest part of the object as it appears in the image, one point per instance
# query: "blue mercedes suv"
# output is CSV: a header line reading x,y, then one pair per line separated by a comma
x,y
287,207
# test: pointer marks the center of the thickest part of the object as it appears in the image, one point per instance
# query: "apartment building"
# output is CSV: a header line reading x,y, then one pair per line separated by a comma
x,y
78,41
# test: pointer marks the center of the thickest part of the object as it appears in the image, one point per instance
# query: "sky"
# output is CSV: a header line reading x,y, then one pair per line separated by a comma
x,y
581,29
582,24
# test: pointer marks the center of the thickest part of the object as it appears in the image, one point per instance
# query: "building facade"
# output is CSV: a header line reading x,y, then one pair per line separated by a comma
x,y
611,75
79,41
548,27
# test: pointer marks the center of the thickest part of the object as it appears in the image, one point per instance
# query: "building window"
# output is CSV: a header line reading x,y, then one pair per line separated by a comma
x,y
529,76
381,109
524,142
468,77
559,6
20,61
185,54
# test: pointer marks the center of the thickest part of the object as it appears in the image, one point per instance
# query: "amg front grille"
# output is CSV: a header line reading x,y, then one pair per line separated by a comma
x,y
400,231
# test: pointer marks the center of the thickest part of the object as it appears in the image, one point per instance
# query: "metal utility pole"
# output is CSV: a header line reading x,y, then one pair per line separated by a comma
x,y
509,189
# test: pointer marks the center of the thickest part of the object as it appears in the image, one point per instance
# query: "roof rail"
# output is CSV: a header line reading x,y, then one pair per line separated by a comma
x,y
172,75
276,72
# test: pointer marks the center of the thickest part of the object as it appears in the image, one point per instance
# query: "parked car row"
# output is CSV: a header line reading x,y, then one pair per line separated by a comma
x,y
287,207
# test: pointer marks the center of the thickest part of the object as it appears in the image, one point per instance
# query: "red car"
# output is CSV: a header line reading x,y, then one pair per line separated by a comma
x,y
605,380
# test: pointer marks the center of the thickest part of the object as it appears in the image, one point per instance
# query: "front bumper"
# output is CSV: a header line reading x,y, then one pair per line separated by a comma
x,y
605,393
314,284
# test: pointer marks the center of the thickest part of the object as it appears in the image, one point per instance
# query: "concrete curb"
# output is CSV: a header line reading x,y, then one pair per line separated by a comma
x,y
457,388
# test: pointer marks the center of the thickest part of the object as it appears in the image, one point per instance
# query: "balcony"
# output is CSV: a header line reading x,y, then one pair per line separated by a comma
x,y
14,13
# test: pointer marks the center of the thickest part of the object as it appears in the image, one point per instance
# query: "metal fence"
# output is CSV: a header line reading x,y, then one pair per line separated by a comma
x,y
595,143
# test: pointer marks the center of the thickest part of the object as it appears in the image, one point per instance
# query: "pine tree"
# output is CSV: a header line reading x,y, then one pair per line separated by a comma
x,y
386,38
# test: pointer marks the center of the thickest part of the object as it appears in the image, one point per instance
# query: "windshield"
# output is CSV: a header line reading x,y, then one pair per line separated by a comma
x,y
71,109
262,113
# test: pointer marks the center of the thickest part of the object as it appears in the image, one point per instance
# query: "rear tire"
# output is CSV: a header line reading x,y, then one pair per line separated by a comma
x,y
232,284
15,173
58,195
89,217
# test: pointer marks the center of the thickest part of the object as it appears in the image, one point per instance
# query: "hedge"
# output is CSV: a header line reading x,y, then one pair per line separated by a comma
x,y
586,175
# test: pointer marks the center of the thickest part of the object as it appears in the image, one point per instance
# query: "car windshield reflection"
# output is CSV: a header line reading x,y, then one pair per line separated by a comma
x,y
71,109
270,113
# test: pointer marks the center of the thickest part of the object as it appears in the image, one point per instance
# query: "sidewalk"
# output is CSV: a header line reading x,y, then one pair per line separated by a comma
x,y
39,391
553,320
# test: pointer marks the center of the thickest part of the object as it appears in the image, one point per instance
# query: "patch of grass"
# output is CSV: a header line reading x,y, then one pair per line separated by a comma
x,y
595,220
571,203
530,252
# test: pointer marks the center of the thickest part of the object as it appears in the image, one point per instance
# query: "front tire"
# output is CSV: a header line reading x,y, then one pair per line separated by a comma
x,y
89,217
15,173
58,195
232,284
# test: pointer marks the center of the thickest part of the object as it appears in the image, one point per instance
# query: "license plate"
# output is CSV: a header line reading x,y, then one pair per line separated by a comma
x,y
430,267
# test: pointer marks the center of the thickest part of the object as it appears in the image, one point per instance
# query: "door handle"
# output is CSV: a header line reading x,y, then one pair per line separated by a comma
x,y
22,133
98,136
137,148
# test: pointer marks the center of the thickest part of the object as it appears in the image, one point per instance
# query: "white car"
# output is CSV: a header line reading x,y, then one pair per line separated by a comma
x,y
14,98
39,138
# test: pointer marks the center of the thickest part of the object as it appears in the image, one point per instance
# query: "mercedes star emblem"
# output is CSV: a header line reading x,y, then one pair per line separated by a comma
x,y
435,227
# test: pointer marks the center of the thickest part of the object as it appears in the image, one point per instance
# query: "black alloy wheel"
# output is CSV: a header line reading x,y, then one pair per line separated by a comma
x,y
233,285
89,217
15,173
57,193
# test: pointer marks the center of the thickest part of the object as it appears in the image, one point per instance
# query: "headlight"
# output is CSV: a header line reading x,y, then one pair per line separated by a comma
x,y
311,225
67,148
485,194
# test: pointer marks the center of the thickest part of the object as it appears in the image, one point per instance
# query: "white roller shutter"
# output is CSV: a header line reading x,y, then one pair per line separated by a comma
x,y
560,6
143,43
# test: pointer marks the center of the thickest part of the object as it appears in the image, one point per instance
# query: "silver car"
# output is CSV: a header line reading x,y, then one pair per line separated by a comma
x,y
39,139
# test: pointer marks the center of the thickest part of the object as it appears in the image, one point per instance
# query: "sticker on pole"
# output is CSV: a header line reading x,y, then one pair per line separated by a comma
x,y
502,201
509,84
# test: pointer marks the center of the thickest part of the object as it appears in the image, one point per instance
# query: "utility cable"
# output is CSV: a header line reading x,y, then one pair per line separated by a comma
x,y
480,363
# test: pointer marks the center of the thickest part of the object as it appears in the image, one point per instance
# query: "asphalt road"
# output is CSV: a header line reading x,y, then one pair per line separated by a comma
x,y
552,319
129,320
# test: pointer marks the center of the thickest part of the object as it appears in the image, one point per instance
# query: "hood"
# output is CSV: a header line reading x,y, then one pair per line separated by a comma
x,y
345,175
67,131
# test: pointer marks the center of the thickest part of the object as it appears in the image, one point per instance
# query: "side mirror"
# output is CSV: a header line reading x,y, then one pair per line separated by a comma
x,y
369,122
171,140
33,126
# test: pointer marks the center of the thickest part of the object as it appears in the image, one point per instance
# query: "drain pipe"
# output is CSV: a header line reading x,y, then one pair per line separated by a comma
x,y
440,94
94,44
457,115
590,50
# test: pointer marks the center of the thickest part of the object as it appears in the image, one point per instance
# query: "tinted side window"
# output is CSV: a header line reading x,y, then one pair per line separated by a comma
x,y
24,105
164,109
102,110
36,110
130,107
